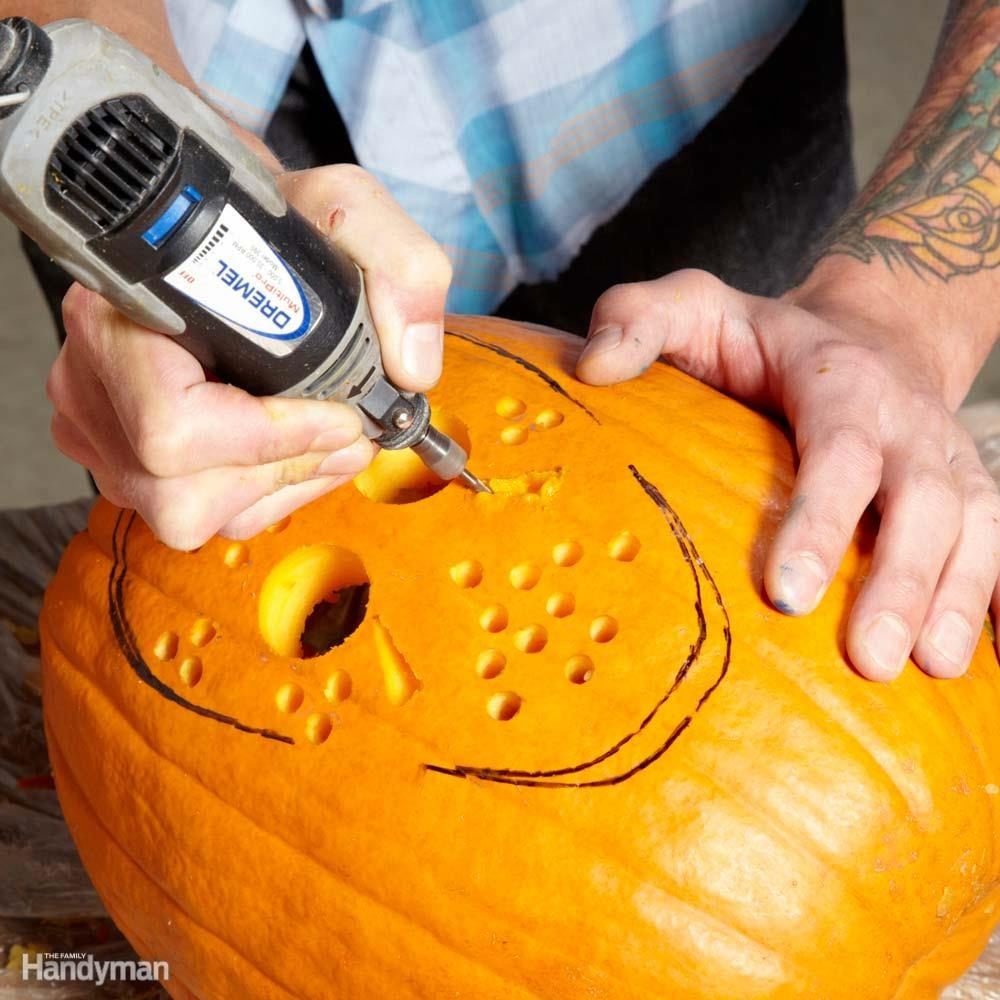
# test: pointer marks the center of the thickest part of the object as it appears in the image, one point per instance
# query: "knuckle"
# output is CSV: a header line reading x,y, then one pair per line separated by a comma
x,y
161,446
426,266
911,586
57,381
934,490
858,447
827,530
78,311
177,514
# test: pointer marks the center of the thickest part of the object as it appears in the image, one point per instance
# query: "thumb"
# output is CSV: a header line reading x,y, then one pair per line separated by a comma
x,y
406,273
690,318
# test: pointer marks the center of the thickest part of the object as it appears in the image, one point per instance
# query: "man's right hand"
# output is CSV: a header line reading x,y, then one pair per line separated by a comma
x,y
196,457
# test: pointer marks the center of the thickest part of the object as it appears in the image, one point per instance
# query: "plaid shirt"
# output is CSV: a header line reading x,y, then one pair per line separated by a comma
x,y
508,129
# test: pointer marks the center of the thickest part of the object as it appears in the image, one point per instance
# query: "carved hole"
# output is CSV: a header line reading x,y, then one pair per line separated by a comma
x,y
401,683
511,408
468,573
530,485
567,553
336,617
625,547
312,600
494,618
531,639
237,555
490,664
165,647
525,576
400,476
318,728
579,669
202,632
561,605
504,705
603,629
190,671
289,698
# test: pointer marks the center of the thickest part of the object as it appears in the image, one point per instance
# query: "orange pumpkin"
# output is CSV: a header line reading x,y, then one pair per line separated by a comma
x,y
570,751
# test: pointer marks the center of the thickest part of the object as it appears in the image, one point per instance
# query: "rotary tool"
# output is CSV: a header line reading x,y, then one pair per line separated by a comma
x,y
144,194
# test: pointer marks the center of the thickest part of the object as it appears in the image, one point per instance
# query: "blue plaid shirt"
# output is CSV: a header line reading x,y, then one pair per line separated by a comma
x,y
508,129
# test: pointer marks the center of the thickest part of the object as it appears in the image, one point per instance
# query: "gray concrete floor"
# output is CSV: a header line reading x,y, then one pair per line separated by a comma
x,y
888,58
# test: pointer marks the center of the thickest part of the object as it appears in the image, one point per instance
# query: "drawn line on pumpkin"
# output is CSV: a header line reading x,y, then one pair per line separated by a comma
x,y
525,363
698,569
128,644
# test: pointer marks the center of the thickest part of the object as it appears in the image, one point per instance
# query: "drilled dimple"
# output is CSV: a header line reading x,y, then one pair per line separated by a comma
x,y
624,547
567,553
338,686
511,408
525,576
165,647
548,419
560,605
202,632
318,728
494,618
504,705
579,669
531,639
603,628
190,670
515,434
237,555
490,664
468,573
289,698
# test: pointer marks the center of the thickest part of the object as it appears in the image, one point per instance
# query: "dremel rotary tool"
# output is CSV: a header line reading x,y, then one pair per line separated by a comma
x,y
143,194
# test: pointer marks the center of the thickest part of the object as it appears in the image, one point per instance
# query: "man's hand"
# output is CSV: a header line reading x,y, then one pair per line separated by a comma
x,y
197,457
872,421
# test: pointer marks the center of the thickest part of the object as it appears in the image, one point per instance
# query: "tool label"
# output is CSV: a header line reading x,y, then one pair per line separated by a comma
x,y
236,275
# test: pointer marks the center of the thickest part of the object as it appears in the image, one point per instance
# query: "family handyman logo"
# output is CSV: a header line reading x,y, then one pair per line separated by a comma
x,y
62,967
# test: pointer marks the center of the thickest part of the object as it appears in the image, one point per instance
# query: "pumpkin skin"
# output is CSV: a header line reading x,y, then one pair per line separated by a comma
x,y
712,804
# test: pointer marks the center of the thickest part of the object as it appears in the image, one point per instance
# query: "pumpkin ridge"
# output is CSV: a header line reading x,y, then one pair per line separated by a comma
x,y
821,717
942,699
548,379
857,739
350,887
61,763
758,812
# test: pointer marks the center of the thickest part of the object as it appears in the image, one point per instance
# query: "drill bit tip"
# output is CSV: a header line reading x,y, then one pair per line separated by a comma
x,y
474,481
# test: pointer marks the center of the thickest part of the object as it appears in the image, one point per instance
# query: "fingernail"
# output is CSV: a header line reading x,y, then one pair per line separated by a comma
x,y
604,340
347,460
801,584
951,636
421,351
334,438
888,643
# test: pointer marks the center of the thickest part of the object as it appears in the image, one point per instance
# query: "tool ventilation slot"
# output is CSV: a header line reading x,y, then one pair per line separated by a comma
x,y
110,161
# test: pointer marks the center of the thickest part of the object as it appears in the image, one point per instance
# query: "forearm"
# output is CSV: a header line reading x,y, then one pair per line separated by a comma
x,y
144,24
920,249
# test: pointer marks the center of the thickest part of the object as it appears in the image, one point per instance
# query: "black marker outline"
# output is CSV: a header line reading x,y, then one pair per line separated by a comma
x,y
540,778
129,646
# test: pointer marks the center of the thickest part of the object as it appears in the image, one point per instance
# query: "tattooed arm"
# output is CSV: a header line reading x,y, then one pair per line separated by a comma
x,y
868,360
